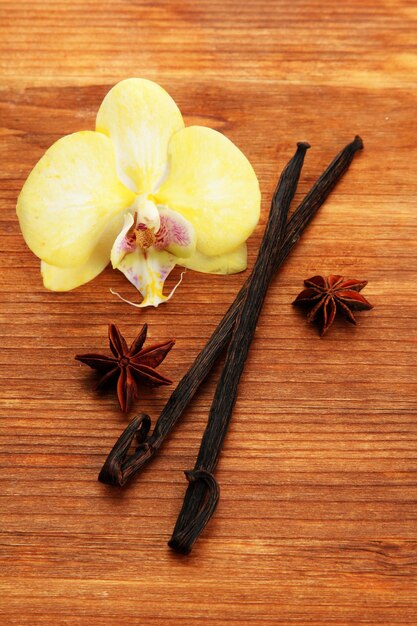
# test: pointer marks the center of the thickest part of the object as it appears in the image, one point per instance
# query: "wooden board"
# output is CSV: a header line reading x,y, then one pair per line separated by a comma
x,y
317,518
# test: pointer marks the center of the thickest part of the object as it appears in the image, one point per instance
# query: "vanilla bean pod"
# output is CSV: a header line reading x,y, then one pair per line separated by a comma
x,y
120,466
191,520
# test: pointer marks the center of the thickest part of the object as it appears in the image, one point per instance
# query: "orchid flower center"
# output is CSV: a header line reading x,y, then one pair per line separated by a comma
x,y
147,214
140,235
147,223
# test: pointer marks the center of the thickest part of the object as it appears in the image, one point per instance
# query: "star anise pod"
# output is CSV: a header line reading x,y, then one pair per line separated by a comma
x,y
331,295
129,366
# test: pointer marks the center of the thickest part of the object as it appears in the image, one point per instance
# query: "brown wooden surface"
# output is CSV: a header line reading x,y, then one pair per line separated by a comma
x,y
317,518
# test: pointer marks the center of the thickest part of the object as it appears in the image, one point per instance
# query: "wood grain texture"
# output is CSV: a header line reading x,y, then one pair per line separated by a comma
x,y
317,521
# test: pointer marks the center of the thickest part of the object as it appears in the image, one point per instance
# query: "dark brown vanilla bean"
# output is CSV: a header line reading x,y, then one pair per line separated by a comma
x,y
118,469
190,520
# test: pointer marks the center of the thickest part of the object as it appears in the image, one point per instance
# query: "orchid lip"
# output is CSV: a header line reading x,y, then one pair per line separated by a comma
x,y
146,256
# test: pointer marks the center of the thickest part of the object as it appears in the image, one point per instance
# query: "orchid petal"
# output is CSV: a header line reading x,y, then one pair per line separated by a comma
x,y
140,117
213,185
65,279
229,263
69,198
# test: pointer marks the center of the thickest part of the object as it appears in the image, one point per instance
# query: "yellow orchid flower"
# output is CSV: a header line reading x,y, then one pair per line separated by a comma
x,y
142,191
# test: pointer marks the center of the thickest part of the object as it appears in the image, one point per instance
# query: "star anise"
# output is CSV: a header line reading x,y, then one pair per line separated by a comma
x,y
331,295
129,366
